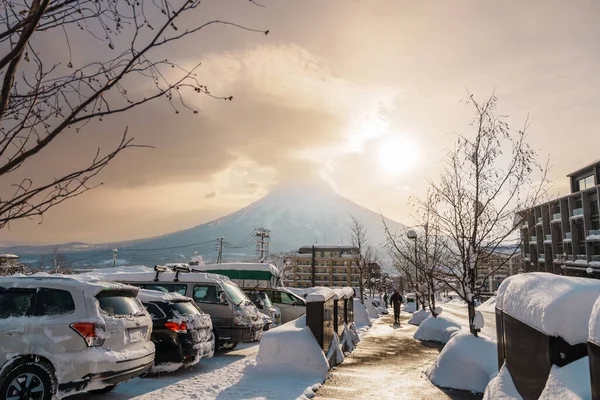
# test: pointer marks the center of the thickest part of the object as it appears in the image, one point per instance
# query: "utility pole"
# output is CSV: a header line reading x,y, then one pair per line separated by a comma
x,y
313,268
263,237
220,241
115,251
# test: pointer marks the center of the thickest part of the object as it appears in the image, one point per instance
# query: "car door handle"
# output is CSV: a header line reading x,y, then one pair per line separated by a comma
x,y
18,331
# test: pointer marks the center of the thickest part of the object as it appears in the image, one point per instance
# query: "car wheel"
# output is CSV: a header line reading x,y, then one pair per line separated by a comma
x,y
104,389
29,381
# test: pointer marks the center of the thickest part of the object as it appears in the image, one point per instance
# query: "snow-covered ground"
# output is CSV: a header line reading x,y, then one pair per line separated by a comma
x,y
460,314
227,376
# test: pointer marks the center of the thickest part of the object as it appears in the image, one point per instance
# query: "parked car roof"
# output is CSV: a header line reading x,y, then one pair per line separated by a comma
x,y
147,295
140,273
93,286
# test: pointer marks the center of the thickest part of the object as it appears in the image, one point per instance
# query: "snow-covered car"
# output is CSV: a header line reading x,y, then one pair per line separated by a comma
x,y
181,332
267,322
61,335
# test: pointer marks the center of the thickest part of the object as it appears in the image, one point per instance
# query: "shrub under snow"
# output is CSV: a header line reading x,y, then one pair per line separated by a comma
x,y
502,387
418,317
466,362
437,329
571,382
361,316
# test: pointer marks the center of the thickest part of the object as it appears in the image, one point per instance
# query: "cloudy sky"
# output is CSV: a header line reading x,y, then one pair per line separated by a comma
x,y
365,95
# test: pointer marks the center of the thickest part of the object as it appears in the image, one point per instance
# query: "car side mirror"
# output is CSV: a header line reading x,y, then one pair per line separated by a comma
x,y
223,298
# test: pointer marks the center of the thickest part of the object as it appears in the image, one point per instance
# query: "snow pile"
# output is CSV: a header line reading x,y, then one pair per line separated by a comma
x,y
502,387
556,305
361,316
466,363
349,339
292,347
419,317
571,382
320,294
371,309
489,305
437,329
335,354
410,307
594,327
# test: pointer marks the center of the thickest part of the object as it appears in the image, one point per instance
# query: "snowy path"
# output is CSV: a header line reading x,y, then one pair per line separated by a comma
x,y
227,376
460,313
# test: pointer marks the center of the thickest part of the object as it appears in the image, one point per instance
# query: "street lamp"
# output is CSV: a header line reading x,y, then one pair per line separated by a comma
x,y
413,236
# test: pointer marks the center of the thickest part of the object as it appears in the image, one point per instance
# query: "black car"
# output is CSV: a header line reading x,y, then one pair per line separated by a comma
x,y
181,332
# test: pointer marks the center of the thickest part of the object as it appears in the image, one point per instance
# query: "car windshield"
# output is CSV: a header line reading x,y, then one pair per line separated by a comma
x,y
266,300
235,294
185,308
119,303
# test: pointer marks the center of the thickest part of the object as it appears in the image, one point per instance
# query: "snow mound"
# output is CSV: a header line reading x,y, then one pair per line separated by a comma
x,y
371,309
502,387
489,305
382,310
556,305
335,353
361,316
571,382
418,317
466,363
594,328
410,307
292,347
437,329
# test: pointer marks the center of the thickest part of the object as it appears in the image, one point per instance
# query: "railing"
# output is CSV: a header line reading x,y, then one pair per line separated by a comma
x,y
556,217
533,239
548,237
568,235
577,212
581,257
570,257
595,232
595,257
541,257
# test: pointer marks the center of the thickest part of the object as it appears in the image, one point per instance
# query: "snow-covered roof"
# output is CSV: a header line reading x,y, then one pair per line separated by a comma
x,y
243,267
91,286
156,295
141,273
320,294
556,305
11,256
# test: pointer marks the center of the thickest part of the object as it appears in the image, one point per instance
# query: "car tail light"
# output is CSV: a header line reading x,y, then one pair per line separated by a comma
x,y
87,330
179,328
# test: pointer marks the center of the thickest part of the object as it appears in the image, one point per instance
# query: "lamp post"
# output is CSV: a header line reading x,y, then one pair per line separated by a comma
x,y
413,236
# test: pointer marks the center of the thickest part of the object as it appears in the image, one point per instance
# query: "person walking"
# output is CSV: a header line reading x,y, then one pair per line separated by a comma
x,y
396,302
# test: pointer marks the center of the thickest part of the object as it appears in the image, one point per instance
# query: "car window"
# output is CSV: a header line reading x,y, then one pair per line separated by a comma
x,y
165,287
235,293
286,298
206,294
185,308
53,302
14,303
114,303
154,311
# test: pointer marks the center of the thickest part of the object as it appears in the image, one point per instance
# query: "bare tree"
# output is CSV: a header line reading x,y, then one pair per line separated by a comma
x,y
284,263
62,264
425,256
489,177
47,92
371,261
360,240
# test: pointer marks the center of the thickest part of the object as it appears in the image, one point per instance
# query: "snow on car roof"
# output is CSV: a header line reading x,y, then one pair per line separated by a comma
x,y
243,267
141,273
556,305
157,295
92,286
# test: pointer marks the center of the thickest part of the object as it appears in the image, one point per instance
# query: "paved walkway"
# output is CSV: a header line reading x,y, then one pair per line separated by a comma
x,y
388,363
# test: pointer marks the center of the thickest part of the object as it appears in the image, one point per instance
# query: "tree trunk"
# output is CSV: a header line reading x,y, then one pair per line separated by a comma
x,y
471,308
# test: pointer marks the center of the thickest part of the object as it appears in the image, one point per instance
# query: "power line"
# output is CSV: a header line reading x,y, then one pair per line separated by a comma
x,y
171,248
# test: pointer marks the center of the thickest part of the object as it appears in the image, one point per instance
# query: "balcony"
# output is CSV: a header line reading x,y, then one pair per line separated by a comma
x,y
581,257
577,213
568,236
533,239
542,258
548,239
593,234
539,221
595,257
525,225
556,217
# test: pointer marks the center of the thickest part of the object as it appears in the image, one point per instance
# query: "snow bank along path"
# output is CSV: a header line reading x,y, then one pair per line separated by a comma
x,y
556,305
438,329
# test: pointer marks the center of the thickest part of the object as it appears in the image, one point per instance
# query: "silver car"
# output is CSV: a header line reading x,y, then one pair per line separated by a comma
x,y
61,335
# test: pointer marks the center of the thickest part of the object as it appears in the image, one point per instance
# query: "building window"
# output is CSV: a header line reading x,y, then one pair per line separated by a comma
x,y
586,183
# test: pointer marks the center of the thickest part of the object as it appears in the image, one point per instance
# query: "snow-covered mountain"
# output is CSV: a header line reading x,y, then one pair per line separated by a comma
x,y
296,216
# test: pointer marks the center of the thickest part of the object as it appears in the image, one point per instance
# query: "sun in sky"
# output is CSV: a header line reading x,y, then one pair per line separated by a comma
x,y
397,153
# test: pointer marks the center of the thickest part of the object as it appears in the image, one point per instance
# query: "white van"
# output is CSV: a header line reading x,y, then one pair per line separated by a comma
x,y
262,277
235,319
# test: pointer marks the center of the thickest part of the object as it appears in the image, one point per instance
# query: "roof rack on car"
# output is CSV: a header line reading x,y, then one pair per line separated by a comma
x,y
198,270
159,269
178,269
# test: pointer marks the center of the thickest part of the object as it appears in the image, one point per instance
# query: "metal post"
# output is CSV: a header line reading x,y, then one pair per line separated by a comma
x,y
313,268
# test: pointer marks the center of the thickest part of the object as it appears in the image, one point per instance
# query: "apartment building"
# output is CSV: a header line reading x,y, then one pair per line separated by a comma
x,y
334,266
496,268
563,235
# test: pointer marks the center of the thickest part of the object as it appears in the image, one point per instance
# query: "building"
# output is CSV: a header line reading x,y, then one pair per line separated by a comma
x,y
335,265
563,235
9,260
495,268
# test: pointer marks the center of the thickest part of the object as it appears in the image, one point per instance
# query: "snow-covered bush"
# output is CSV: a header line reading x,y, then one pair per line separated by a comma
x,y
361,316
466,362
502,387
418,317
437,329
571,382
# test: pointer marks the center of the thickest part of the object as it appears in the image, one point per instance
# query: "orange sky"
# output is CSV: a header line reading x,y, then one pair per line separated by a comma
x,y
325,96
